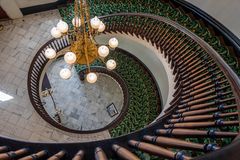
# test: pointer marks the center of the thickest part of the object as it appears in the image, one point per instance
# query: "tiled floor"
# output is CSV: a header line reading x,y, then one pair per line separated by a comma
x,y
83,105
19,42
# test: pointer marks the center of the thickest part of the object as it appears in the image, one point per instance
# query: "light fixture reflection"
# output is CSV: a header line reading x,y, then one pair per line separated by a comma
x,y
5,97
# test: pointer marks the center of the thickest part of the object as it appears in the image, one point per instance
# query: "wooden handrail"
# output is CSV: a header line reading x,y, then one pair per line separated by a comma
x,y
174,142
58,156
13,154
61,43
124,153
157,150
203,117
201,124
35,156
79,155
228,72
99,154
203,111
233,80
195,133
3,149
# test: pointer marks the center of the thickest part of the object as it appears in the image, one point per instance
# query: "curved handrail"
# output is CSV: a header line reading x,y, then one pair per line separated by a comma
x,y
232,77
137,135
229,73
34,77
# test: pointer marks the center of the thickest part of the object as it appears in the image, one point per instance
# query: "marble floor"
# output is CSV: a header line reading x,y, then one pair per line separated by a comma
x,y
83,105
19,41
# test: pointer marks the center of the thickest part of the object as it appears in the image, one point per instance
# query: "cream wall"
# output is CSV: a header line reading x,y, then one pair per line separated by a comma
x,y
11,7
29,3
226,12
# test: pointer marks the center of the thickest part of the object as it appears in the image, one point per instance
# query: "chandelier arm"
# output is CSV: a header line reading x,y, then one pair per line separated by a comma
x,y
92,38
75,16
70,38
71,66
91,31
101,59
87,11
84,34
70,35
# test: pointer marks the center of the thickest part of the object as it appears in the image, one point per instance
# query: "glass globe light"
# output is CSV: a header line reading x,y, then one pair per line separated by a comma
x,y
65,73
56,33
50,53
91,77
103,51
113,42
111,64
70,57
95,22
101,27
62,26
76,21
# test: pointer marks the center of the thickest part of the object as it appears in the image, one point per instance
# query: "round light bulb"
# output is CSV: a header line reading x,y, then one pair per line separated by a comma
x,y
56,33
62,26
91,77
70,57
113,42
76,21
65,73
102,27
50,53
103,51
111,64
95,22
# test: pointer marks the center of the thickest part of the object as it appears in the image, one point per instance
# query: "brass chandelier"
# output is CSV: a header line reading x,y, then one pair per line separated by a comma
x,y
83,49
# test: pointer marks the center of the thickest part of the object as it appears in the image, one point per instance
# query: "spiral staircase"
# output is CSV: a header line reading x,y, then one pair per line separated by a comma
x,y
202,121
